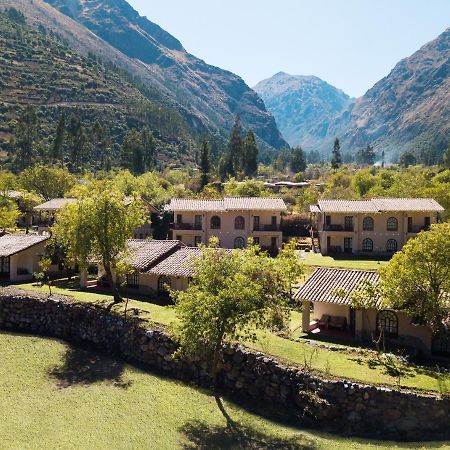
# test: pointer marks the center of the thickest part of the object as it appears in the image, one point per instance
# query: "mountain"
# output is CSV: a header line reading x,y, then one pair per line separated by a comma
x,y
302,106
212,95
407,110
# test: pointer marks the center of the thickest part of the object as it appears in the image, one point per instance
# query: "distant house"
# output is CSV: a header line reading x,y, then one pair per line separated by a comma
x,y
48,210
377,226
232,220
20,255
327,309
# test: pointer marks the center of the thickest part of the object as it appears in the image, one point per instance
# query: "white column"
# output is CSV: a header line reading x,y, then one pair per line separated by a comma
x,y
306,315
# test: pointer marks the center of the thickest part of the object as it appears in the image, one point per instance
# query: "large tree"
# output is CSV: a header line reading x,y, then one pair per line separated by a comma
x,y
57,153
250,154
336,158
417,279
25,137
98,226
232,294
298,160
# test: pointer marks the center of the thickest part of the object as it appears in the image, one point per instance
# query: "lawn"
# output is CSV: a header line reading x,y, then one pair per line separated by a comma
x,y
353,366
341,261
58,396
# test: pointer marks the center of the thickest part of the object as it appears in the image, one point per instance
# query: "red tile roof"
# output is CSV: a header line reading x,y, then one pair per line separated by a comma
x,y
10,244
180,264
227,204
146,252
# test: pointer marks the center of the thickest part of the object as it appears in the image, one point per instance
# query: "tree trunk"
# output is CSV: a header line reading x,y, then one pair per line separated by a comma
x,y
112,285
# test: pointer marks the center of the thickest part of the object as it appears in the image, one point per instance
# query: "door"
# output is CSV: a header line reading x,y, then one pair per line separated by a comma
x,y
352,321
410,225
327,220
198,222
179,219
274,223
4,267
427,223
197,240
348,245
273,242
348,223
256,223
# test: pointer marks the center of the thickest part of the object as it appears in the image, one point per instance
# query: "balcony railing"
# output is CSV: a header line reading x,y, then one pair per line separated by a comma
x,y
418,228
266,227
186,226
337,228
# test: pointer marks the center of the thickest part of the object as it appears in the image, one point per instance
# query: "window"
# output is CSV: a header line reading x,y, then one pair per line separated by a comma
x,y
133,280
198,222
367,245
392,224
387,322
179,219
239,242
163,285
327,220
274,221
391,246
348,245
215,223
256,223
410,225
368,224
239,223
348,223
197,241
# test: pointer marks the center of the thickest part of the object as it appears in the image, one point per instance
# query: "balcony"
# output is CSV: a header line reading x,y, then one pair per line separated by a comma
x,y
186,226
338,228
266,228
417,228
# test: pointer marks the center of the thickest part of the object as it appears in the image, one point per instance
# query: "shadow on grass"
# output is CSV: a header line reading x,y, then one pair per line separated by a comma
x,y
83,367
202,436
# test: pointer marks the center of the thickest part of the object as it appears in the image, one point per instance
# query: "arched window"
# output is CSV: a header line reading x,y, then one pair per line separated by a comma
x,y
239,223
392,224
215,223
368,224
391,246
163,285
387,322
367,245
239,242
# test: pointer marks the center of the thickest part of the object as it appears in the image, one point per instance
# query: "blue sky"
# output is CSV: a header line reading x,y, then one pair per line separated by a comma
x,y
349,43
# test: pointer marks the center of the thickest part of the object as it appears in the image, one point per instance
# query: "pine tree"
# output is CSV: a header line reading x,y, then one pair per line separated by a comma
x,y
205,166
234,160
250,154
382,158
148,149
132,153
25,137
57,149
336,160
297,161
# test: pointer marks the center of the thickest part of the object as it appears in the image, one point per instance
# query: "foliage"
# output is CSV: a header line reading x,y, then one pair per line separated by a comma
x,y
407,159
247,188
290,266
9,213
205,165
45,264
366,156
417,279
336,158
298,160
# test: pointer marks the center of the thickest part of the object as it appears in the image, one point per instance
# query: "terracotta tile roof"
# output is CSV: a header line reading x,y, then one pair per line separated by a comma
x,y
145,252
10,244
227,204
324,283
377,205
180,263
55,204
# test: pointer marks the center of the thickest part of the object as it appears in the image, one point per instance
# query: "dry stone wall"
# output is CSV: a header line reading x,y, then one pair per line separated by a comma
x,y
334,405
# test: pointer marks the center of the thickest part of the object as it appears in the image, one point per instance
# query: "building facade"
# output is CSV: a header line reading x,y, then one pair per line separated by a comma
x,y
377,226
232,220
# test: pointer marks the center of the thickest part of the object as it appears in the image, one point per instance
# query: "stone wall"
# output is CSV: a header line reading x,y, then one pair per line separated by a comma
x,y
333,405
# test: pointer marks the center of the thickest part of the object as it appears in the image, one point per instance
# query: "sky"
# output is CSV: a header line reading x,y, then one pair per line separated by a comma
x,y
349,43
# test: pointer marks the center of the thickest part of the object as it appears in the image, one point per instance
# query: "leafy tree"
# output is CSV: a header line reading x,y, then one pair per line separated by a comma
x,y
49,182
101,145
98,226
363,182
248,188
57,154
132,154
446,157
78,143
205,166
45,264
407,159
417,279
8,182
25,137
336,158
231,296
9,213
250,154
298,160
290,266
313,157
148,149
366,156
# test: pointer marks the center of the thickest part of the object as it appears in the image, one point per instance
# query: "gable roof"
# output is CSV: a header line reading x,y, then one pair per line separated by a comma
x,y
55,204
324,283
179,263
10,244
227,204
378,205
146,252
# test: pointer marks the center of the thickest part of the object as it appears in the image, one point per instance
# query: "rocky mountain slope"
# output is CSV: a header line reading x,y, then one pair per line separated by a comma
x,y
302,106
212,95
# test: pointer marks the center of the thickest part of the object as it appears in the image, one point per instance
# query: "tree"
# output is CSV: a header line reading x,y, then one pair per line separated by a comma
x,y
132,153
290,266
78,143
366,156
417,279
98,227
298,160
49,182
9,213
336,158
57,154
382,159
234,157
26,133
101,146
250,154
148,149
232,294
407,159
8,182
205,166
446,157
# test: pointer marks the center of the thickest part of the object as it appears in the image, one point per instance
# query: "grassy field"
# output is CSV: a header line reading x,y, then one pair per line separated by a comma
x,y
58,396
341,261
349,365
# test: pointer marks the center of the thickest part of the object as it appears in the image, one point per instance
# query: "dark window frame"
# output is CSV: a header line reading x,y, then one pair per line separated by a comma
x,y
387,321
390,248
239,223
368,223
216,223
241,240
392,224
365,247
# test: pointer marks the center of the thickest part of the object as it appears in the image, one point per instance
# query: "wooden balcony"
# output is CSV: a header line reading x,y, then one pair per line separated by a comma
x,y
337,228
269,227
186,226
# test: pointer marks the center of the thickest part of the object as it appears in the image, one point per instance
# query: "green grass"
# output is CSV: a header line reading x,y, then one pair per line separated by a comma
x,y
355,367
342,261
58,396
